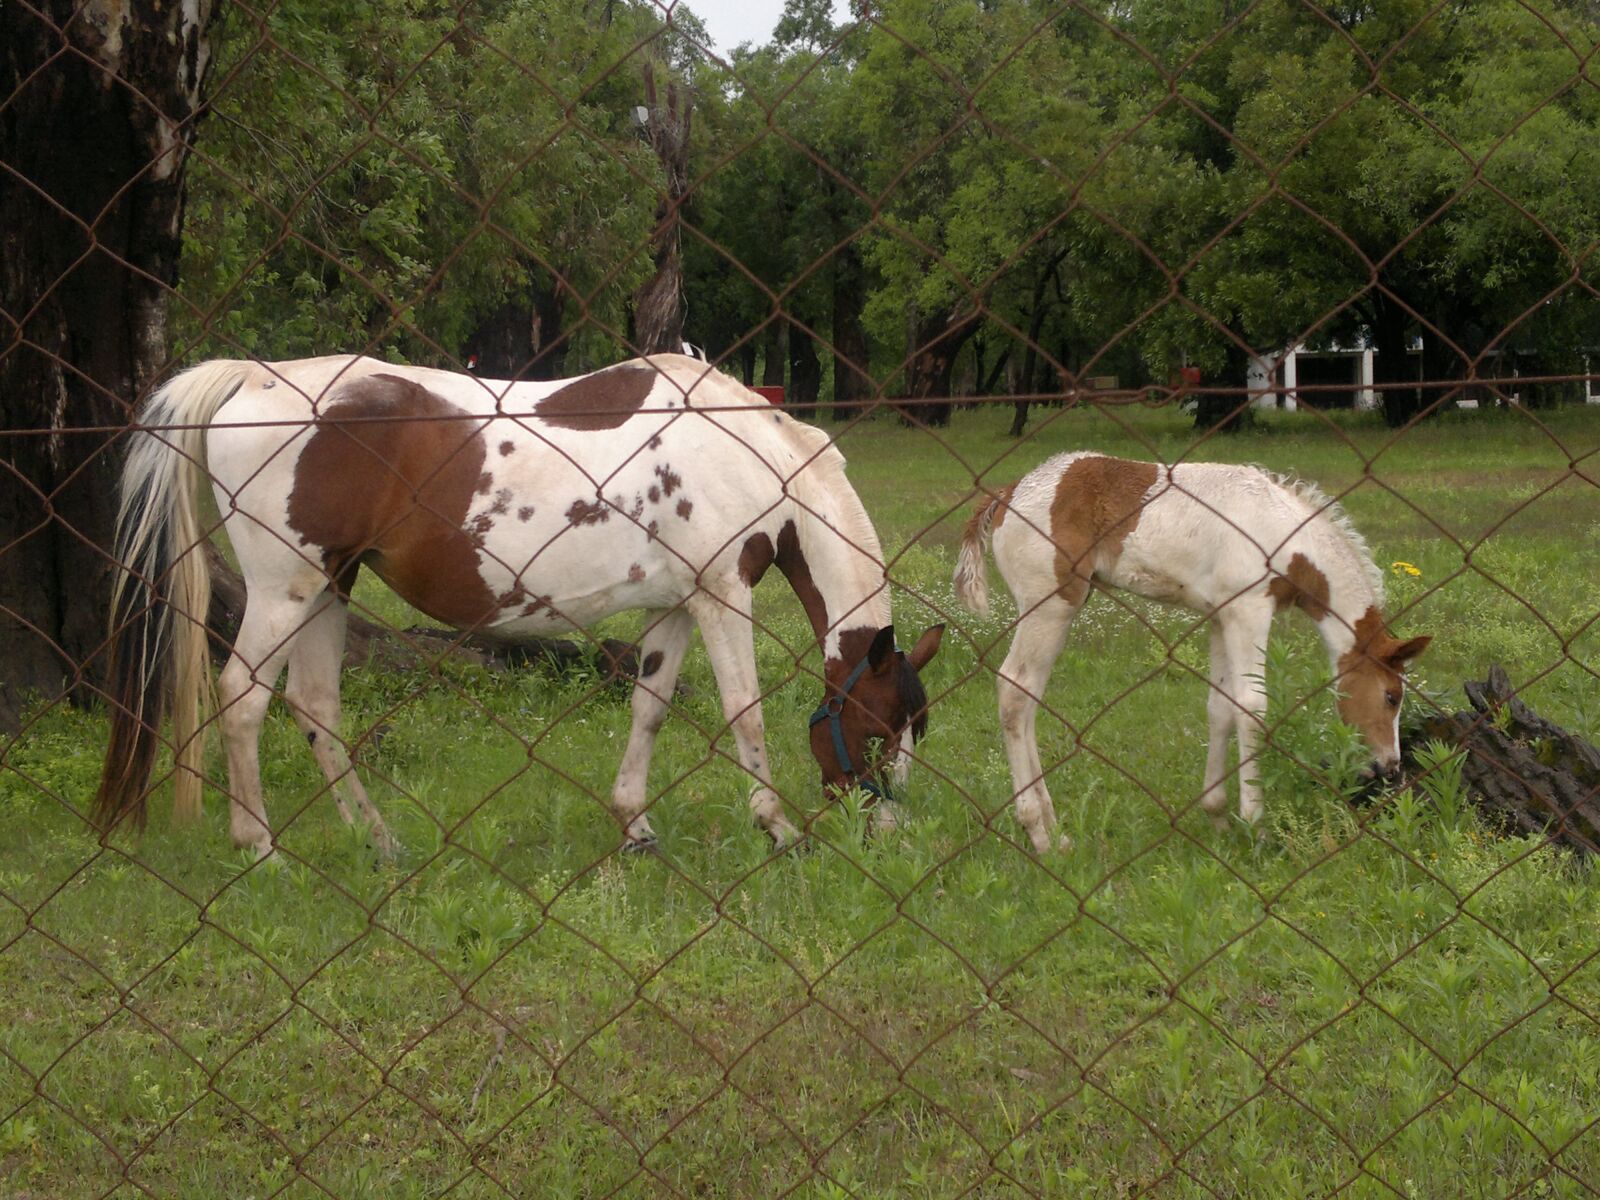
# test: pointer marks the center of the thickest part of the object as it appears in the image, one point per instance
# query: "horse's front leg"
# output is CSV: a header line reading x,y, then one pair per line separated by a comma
x,y
661,650
1245,629
730,643
1221,709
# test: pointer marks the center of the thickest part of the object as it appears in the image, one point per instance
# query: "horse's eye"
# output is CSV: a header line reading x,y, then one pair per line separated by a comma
x,y
1393,698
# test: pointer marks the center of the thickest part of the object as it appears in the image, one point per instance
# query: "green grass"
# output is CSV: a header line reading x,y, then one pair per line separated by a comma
x,y
1389,1001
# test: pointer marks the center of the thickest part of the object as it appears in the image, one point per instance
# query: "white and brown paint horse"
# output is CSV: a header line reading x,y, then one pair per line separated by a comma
x,y
1231,542
505,509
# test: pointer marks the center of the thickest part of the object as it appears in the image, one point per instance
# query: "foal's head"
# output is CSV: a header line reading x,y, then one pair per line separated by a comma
x,y
878,696
1372,682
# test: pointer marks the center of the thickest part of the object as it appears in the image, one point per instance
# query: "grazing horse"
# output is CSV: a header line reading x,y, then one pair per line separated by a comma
x,y
507,509
1234,543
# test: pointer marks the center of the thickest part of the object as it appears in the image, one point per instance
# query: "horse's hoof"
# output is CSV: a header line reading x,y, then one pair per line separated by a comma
x,y
647,845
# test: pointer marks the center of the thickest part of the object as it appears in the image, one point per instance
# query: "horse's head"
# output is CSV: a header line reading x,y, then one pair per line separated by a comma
x,y
877,696
1372,682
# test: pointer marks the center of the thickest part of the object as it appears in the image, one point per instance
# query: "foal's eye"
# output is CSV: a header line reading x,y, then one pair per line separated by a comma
x,y
1393,698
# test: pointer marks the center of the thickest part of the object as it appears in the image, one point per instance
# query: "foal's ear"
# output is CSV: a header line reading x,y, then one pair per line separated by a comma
x,y
881,653
1401,653
927,646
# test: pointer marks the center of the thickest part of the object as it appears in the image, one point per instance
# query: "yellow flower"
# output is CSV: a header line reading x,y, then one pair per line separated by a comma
x,y
1404,568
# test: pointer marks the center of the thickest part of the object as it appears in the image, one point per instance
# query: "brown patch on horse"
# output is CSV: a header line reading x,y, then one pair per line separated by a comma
x,y
685,507
1302,586
525,513
395,493
604,400
506,448
755,556
1097,504
791,561
635,573
651,664
671,481
585,512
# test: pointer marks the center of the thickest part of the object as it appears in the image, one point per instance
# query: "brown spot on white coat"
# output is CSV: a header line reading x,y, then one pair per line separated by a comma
x,y
1303,585
395,493
601,401
1097,504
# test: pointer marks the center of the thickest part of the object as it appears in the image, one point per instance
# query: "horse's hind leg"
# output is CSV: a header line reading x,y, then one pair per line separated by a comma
x,y
313,695
244,690
730,644
1041,632
661,650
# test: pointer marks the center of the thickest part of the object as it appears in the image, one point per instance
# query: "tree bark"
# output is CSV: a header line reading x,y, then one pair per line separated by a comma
x,y
100,104
852,376
805,372
772,340
1391,365
658,305
931,360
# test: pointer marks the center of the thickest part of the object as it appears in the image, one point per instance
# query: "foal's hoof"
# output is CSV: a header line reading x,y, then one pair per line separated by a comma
x,y
647,845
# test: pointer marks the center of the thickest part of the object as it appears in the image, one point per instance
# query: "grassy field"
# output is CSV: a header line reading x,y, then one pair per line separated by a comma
x,y
1384,1001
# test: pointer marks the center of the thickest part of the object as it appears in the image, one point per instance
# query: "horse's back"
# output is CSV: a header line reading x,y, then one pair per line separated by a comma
x,y
487,503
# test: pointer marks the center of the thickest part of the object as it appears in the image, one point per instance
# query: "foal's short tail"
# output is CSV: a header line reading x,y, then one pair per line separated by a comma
x,y
160,598
972,573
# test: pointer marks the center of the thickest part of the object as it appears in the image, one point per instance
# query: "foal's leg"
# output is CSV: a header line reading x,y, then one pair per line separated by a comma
x,y
1244,627
1220,713
313,695
730,642
1041,632
268,630
661,650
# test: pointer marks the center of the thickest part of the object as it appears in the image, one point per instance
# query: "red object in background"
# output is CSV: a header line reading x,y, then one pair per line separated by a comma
x,y
1190,376
772,395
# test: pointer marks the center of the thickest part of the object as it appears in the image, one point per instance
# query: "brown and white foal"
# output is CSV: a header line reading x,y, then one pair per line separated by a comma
x,y
509,509
1234,543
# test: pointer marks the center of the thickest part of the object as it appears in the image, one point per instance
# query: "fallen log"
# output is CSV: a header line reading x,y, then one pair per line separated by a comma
x,y
1526,774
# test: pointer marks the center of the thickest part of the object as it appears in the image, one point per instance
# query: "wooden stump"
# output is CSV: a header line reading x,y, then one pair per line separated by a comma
x,y
1526,774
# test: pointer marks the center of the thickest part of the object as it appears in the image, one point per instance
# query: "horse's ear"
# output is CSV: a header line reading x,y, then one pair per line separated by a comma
x,y
1401,653
927,646
881,652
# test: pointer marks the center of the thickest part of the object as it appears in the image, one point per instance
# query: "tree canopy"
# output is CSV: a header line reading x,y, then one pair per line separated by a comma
x,y
939,197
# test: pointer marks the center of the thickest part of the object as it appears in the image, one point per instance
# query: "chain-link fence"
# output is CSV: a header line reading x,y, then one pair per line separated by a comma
x,y
983,842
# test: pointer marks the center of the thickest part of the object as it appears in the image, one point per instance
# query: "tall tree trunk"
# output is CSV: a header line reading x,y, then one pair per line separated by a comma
x,y
747,362
772,348
805,372
523,338
1391,364
1227,411
931,360
658,305
1031,356
852,377
100,101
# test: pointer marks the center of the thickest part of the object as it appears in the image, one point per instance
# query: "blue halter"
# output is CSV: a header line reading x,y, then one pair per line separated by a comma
x,y
830,711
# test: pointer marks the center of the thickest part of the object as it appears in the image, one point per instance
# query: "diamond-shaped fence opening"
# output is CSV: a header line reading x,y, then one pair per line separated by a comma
x,y
957,600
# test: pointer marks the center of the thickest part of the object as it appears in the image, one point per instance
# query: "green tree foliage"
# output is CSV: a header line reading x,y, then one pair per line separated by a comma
x,y
940,195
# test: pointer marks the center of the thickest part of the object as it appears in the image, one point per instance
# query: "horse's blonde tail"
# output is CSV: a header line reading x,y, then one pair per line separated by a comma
x,y
160,598
971,577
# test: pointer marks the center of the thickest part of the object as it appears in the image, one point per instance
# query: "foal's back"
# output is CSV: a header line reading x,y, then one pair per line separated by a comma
x,y
1196,534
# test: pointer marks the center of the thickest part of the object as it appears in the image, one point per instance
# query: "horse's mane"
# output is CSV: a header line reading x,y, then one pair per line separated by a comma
x,y
1322,505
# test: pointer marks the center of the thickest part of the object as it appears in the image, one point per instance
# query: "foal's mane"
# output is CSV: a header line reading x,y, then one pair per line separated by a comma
x,y
1321,505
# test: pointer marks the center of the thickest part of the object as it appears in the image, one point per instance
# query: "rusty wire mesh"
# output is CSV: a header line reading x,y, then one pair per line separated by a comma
x,y
509,1005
